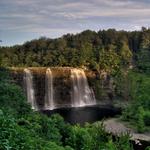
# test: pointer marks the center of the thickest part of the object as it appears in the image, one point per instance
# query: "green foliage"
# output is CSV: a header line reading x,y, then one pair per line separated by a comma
x,y
138,112
98,133
123,142
29,133
14,137
143,60
110,145
108,61
90,49
140,119
23,134
94,137
147,118
125,53
11,96
143,56
79,138
147,148
120,83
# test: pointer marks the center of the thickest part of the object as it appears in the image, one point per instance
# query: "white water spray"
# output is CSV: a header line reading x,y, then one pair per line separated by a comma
x,y
28,78
82,95
49,100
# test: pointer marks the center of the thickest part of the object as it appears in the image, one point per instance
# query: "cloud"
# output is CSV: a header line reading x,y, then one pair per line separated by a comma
x,y
57,17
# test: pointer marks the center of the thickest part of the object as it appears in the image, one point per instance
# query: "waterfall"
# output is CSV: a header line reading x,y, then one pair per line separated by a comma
x,y
49,101
29,88
82,95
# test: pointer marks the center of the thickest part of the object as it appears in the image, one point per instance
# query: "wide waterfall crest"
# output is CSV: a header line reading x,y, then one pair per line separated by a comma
x,y
28,79
82,95
49,101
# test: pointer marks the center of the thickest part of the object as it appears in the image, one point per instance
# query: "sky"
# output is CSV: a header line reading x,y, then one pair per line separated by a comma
x,y
23,20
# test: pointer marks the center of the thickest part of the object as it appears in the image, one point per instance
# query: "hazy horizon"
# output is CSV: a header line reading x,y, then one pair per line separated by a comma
x,y
36,38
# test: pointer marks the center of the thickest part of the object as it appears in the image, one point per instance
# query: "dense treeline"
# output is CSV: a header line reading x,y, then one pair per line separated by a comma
x,y
103,50
138,112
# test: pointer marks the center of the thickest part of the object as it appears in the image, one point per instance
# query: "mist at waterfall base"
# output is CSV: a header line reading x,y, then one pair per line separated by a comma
x,y
83,107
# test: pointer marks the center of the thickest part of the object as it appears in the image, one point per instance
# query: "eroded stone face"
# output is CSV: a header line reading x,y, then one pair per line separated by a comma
x,y
62,84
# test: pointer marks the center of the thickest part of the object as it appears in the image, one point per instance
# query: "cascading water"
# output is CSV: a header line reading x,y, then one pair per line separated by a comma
x,y
49,101
82,95
29,88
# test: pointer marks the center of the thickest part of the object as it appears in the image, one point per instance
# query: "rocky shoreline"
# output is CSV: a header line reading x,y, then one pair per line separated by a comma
x,y
116,127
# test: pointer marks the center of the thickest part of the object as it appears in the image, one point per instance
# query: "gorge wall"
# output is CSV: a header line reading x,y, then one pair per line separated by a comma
x,y
54,87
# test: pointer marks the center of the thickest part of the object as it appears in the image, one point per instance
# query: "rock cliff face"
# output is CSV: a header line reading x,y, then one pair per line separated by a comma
x,y
62,85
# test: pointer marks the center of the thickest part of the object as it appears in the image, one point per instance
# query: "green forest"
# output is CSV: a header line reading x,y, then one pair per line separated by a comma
x,y
103,50
119,53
